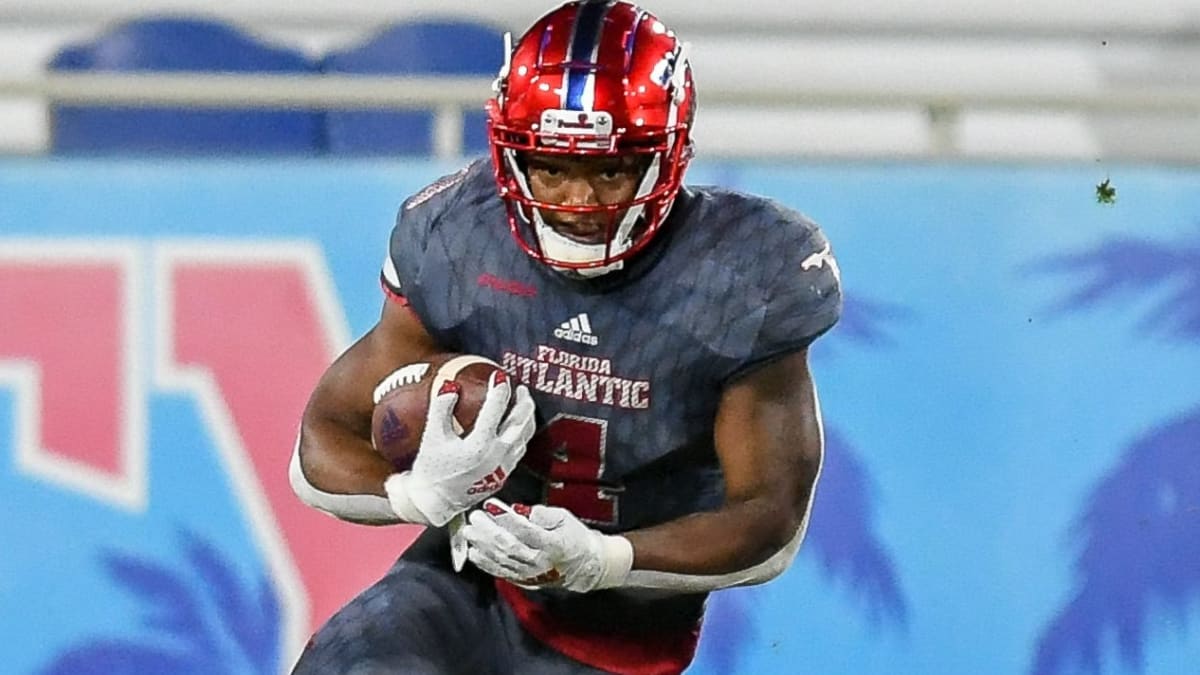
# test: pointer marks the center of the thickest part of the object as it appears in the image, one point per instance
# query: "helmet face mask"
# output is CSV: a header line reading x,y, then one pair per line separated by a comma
x,y
580,196
592,80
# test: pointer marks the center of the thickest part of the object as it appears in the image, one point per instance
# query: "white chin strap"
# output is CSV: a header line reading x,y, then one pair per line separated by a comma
x,y
564,249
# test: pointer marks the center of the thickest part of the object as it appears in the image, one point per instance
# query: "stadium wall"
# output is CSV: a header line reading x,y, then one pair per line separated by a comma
x,y
1012,408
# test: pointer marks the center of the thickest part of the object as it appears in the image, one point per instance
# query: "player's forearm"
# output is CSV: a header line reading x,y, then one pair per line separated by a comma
x,y
331,472
339,460
335,438
334,468
335,431
736,537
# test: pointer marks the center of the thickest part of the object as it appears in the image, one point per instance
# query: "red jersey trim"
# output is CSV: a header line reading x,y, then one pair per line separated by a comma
x,y
665,653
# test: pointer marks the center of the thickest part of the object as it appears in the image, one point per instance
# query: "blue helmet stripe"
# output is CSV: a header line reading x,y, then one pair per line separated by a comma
x,y
584,39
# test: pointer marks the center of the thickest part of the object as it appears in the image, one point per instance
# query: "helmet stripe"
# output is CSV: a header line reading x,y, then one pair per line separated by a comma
x,y
632,41
585,43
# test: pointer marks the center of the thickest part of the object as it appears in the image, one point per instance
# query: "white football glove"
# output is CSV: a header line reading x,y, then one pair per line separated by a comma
x,y
545,547
453,473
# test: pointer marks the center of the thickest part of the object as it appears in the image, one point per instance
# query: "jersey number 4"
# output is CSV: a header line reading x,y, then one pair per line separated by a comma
x,y
568,453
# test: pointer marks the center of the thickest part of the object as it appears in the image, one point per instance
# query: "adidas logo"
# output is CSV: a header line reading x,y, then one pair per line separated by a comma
x,y
578,329
489,484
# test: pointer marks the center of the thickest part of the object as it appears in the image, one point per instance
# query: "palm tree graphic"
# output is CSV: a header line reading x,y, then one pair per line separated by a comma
x,y
1139,531
200,619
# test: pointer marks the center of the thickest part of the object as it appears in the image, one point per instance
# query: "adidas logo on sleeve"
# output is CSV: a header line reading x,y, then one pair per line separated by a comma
x,y
577,329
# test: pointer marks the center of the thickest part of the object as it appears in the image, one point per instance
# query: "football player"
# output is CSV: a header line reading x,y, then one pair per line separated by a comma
x,y
665,436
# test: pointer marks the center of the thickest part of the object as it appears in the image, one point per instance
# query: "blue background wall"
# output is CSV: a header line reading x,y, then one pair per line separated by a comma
x,y
1012,405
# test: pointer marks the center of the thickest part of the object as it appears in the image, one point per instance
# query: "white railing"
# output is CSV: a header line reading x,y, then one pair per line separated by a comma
x,y
450,96
1146,19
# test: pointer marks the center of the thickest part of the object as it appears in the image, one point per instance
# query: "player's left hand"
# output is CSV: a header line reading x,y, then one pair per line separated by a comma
x,y
544,546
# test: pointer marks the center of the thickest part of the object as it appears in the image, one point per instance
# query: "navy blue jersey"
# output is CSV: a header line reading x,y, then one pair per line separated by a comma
x,y
627,369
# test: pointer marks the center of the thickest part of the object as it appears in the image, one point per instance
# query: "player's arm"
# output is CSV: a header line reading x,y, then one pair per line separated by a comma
x,y
768,438
335,469
769,442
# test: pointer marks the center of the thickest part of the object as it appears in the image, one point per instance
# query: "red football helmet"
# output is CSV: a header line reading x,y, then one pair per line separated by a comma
x,y
593,78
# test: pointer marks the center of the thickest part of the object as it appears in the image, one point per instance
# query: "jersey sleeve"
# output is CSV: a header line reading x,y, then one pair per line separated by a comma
x,y
803,296
401,271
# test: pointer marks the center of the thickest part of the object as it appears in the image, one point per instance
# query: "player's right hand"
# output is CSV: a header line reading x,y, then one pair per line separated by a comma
x,y
453,473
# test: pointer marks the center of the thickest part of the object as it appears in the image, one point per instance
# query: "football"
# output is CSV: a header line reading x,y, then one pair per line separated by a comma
x,y
402,402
